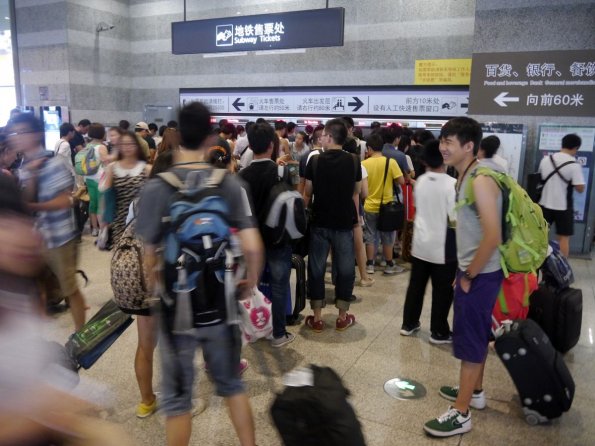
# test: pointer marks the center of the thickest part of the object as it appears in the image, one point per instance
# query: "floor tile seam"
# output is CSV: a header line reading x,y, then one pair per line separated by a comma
x,y
366,349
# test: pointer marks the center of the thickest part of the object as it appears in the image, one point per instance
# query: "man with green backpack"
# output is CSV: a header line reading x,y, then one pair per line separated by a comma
x,y
499,229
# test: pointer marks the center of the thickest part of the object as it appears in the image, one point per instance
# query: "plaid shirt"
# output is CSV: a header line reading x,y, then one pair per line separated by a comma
x,y
57,227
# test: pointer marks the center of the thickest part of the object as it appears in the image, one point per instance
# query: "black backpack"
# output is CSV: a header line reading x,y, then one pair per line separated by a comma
x,y
317,415
285,212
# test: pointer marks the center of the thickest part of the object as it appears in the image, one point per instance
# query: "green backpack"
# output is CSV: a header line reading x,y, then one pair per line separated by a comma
x,y
524,230
85,161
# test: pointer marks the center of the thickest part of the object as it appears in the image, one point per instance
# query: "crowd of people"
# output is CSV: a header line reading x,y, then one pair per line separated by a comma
x,y
344,180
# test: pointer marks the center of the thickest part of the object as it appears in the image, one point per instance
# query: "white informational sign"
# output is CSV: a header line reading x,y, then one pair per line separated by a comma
x,y
550,141
386,103
511,149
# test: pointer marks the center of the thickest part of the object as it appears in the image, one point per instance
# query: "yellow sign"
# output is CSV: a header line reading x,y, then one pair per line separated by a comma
x,y
443,72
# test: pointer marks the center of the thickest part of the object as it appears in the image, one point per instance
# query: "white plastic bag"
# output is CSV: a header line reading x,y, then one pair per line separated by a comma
x,y
257,316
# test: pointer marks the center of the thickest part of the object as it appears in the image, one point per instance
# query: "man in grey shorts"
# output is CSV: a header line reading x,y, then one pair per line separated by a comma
x,y
220,343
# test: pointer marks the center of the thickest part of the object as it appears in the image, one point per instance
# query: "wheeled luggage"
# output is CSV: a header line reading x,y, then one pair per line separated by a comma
x,y
313,410
556,271
87,345
296,301
559,313
543,382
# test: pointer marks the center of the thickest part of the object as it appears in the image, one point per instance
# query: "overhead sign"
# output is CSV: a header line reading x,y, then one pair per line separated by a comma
x,y
381,101
298,29
540,83
443,72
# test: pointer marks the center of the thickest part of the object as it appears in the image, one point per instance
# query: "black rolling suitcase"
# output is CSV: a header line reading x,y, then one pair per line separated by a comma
x,y
559,313
543,382
317,413
296,301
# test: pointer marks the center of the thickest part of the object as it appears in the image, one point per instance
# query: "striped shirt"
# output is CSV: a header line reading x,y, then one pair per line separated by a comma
x,y
58,227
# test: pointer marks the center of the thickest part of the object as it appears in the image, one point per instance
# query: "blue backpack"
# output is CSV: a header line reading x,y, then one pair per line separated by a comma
x,y
199,257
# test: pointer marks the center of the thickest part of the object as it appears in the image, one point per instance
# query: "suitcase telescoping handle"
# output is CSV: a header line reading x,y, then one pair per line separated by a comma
x,y
498,329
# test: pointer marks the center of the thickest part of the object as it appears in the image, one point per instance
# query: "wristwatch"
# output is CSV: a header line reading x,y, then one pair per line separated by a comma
x,y
468,275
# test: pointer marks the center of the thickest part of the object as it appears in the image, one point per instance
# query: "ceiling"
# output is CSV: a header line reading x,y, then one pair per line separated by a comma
x,y
4,12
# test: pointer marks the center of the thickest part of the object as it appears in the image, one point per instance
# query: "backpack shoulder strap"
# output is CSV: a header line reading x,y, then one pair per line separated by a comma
x,y
557,170
216,178
171,179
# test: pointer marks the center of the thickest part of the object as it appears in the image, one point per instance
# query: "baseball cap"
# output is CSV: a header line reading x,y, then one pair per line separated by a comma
x,y
141,125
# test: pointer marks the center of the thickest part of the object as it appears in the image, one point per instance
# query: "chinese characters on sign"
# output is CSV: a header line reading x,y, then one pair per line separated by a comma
x,y
555,83
443,72
375,102
258,32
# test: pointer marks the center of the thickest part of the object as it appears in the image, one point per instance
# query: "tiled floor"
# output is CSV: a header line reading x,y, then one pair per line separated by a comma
x,y
366,356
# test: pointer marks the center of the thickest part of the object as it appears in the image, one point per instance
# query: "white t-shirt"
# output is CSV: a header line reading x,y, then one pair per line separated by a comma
x,y
554,192
246,158
62,148
435,199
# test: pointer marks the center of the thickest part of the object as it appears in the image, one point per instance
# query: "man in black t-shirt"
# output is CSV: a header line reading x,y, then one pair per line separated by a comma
x,y
262,175
333,178
77,143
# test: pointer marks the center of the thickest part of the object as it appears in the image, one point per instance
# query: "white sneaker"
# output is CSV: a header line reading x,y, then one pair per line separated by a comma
x,y
287,338
478,400
370,269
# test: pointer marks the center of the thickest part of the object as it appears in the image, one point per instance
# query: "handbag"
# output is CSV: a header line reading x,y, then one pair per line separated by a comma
x,y
392,214
256,316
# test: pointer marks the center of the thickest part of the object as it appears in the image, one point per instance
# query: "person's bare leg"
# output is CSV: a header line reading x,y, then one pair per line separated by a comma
x,y
370,252
360,252
564,242
317,314
94,221
178,429
387,251
479,382
77,309
143,361
470,375
240,413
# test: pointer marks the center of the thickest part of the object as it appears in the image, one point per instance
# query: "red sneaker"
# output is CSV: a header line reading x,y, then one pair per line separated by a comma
x,y
343,324
316,327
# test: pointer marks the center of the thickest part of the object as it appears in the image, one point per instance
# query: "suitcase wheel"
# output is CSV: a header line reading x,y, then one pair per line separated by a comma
x,y
532,420
532,417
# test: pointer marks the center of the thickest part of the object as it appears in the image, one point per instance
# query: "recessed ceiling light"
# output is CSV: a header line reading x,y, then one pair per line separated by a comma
x,y
7,18
238,13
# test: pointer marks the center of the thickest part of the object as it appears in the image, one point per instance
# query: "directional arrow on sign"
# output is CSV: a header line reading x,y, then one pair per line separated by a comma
x,y
237,104
357,104
502,99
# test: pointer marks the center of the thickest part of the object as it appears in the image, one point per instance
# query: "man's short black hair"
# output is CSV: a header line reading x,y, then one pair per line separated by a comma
x,y
195,125
465,130
490,145
249,125
351,145
124,124
173,124
396,131
431,155
349,121
34,124
84,123
571,141
227,129
375,125
153,126
375,142
259,120
65,129
337,129
260,137
422,136
291,126
280,125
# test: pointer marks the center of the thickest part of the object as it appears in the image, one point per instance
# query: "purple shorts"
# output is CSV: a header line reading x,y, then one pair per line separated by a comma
x,y
472,320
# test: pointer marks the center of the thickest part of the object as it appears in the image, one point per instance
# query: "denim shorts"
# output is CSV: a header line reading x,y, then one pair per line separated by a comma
x,y
370,231
221,345
472,319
